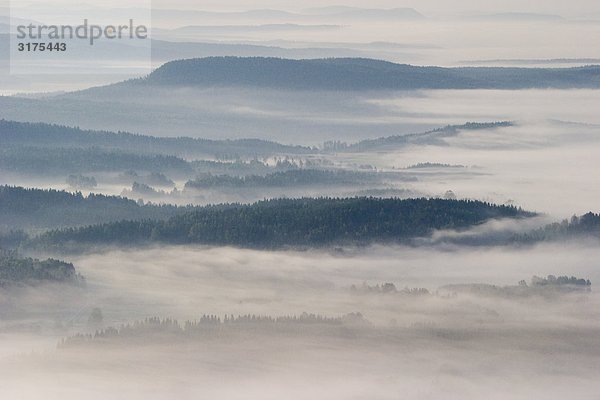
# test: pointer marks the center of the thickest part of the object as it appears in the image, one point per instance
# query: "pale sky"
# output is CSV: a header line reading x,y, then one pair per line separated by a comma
x,y
579,8
575,8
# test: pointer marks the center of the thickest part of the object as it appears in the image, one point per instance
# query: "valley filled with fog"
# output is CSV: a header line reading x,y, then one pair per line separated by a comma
x,y
541,164
440,340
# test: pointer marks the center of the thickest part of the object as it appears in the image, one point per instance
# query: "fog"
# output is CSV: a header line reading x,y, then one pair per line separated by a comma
x,y
464,346
547,162
184,281
456,315
297,117
543,166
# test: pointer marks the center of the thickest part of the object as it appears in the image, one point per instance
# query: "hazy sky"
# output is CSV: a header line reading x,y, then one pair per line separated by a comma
x,y
572,8
577,8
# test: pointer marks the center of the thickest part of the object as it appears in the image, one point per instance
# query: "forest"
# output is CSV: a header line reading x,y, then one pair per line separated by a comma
x,y
272,223
587,225
64,161
16,270
293,222
290,178
15,134
347,74
432,137
215,326
22,208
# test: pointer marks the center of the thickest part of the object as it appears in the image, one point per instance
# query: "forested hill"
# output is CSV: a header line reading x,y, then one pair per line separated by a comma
x,y
433,137
42,135
578,227
22,208
360,74
286,222
15,270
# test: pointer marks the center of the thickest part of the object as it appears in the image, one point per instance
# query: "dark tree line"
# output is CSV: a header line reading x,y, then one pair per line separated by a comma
x,y
15,270
293,222
37,208
547,287
291,178
214,325
587,225
62,161
388,288
552,280
433,137
42,135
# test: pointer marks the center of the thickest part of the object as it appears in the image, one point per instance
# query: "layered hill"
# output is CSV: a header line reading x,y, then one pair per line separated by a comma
x,y
360,74
292,222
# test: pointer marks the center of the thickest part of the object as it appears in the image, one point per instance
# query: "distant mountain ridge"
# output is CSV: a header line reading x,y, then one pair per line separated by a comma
x,y
521,16
356,12
343,74
319,13
43,135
